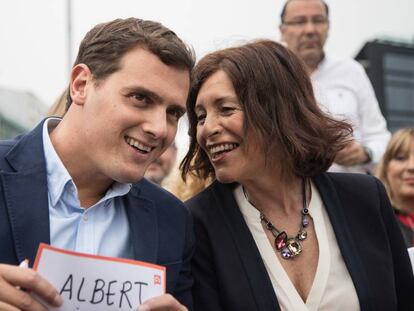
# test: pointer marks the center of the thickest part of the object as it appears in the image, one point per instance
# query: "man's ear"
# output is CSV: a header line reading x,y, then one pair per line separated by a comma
x,y
80,77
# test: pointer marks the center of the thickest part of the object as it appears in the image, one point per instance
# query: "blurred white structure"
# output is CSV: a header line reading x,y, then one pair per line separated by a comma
x,y
20,111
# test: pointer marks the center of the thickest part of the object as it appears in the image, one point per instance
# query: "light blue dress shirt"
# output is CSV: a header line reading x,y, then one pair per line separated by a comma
x,y
101,229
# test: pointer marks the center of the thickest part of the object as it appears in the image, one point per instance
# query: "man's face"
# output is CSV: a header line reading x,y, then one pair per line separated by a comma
x,y
159,169
305,29
131,117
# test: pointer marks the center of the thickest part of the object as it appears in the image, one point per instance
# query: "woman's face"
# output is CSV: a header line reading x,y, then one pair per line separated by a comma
x,y
400,173
220,131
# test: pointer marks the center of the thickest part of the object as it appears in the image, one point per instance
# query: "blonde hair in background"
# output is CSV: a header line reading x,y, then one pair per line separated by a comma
x,y
399,141
185,190
58,109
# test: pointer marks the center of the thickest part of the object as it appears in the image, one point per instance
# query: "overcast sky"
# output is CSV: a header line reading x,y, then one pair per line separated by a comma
x,y
34,45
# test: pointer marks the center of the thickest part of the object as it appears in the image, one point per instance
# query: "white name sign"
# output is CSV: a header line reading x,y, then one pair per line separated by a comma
x,y
88,282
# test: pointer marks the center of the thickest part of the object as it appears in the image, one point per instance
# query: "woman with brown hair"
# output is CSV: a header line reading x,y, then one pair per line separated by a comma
x,y
396,171
274,231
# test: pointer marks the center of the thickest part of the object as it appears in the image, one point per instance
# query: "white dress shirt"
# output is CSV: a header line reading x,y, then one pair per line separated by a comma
x,y
343,89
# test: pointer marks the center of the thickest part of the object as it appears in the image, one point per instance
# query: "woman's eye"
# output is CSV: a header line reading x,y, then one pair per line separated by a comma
x,y
228,109
400,157
200,118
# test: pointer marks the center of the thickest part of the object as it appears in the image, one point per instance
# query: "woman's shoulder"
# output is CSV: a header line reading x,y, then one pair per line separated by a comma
x,y
211,197
347,180
353,187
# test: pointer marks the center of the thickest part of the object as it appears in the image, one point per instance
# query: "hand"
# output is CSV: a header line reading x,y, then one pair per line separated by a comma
x,y
164,302
352,154
12,278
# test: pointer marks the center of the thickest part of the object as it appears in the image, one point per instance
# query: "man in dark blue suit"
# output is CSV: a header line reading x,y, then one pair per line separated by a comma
x,y
75,182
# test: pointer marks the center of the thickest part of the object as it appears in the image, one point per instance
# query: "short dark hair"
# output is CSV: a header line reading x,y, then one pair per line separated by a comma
x,y
103,46
283,12
276,96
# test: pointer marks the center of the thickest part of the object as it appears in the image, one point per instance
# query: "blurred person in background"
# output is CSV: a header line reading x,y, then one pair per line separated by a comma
x,y
396,171
161,167
341,86
274,231
186,189
58,108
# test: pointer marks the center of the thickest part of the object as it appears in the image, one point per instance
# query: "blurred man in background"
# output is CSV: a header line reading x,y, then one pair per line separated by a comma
x,y
341,85
159,169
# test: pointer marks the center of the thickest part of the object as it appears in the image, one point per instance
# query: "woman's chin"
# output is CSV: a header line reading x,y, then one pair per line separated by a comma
x,y
225,178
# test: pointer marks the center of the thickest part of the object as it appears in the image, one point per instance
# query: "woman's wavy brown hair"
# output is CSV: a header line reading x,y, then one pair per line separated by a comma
x,y
277,98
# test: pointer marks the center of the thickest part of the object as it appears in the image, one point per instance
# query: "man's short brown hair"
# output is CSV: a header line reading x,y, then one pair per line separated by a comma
x,y
103,46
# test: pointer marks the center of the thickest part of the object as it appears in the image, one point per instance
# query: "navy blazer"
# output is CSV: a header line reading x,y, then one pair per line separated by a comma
x,y
229,273
160,225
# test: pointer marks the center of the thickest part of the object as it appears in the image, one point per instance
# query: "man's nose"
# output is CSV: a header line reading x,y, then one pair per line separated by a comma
x,y
156,124
309,27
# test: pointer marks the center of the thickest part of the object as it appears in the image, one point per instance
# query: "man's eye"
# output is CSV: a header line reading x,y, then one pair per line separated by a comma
x,y
139,97
299,22
176,113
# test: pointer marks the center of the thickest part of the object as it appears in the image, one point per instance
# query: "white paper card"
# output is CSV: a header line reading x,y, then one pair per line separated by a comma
x,y
88,283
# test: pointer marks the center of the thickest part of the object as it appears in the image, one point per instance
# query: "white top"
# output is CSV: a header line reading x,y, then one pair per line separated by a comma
x,y
343,89
332,288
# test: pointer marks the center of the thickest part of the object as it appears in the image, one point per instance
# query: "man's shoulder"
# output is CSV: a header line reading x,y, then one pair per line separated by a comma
x,y
211,198
5,147
331,63
7,144
24,151
203,196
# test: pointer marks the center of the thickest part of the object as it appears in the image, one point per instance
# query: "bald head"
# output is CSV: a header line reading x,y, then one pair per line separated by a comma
x,y
282,13
304,27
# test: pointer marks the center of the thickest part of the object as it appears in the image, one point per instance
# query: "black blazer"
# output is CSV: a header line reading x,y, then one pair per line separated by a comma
x,y
229,272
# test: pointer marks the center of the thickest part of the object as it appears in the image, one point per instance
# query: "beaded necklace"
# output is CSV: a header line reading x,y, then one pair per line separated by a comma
x,y
289,247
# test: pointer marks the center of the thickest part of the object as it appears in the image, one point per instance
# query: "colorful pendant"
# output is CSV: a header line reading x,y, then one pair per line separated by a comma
x,y
280,240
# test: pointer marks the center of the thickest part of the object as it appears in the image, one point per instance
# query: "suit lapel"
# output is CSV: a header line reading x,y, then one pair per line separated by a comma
x,y
345,237
26,196
248,253
143,225
28,211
